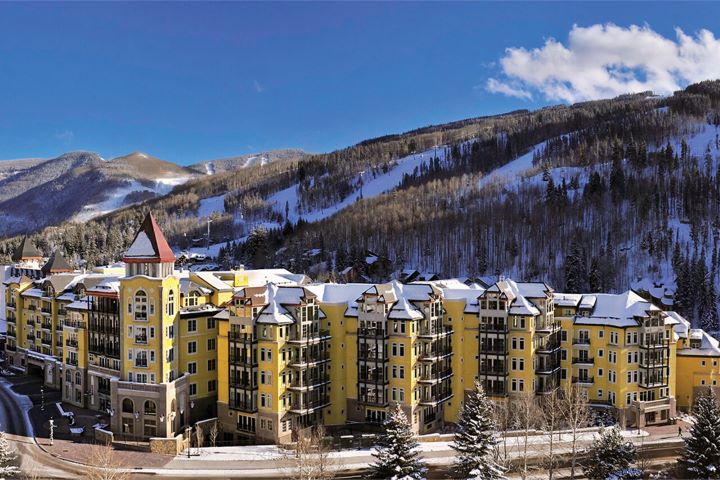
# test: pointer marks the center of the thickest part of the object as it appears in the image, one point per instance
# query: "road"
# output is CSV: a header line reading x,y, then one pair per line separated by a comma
x,y
15,422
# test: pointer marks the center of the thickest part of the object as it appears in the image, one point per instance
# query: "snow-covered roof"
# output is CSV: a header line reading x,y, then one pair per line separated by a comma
x,y
567,299
33,292
80,304
618,310
214,281
149,244
186,286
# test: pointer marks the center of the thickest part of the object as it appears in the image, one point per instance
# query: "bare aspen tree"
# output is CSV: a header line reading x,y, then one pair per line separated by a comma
x,y
213,434
199,438
312,455
576,414
105,464
526,419
551,418
502,415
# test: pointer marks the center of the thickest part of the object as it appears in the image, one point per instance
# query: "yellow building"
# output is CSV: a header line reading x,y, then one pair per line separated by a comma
x,y
620,348
698,362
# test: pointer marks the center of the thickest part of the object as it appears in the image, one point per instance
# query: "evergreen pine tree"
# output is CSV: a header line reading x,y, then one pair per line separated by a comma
x,y
702,447
608,454
475,438
396,452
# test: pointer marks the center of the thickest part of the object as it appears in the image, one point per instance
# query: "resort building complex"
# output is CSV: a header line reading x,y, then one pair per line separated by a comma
x,y
268,352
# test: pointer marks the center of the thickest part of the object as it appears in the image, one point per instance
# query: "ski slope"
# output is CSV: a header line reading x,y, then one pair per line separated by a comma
x,y
378,185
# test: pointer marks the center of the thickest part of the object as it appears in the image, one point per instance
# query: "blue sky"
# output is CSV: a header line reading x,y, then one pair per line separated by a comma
x,y
195,81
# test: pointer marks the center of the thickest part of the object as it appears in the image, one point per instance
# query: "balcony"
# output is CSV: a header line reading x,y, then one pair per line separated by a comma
x,y
309,337
373,399
434,356
74,362
12,320
59,326
583,380
304,384
30,337
141,363
71,343
141,339
310,359
248,406
433,378
493,350
46,341
547,368
58,344
46,310
46,325
494,327
244,360
372,357
10,347
372,333
434,332
546,327
653,362
547,348
438,398
303,408
373,379
73,324
583,361
494,371
581,341
32,307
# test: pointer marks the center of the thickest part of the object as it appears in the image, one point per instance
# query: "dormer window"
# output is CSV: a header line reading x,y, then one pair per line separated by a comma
x,y
193,299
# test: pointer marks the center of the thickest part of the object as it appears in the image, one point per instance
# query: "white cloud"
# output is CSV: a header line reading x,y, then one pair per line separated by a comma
x,y
259,87
603,61
495,86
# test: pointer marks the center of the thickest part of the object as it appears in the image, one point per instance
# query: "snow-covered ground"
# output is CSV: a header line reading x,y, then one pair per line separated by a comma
x,y
116,198
512,169
374,186
211,205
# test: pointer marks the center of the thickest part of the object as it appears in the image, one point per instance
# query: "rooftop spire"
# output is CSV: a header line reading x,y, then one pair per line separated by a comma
x,y
149,245
26,251
57,264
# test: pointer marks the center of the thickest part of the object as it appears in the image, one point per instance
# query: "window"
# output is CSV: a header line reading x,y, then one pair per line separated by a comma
x,y
522,364
193,299
192,368
600,372
212,385
211,365
601,334
171,303
141,305
211,344
192,325
266,400
211,324
171,332
600,391
193,389
192,347
522,343
563,374
563,335
563,354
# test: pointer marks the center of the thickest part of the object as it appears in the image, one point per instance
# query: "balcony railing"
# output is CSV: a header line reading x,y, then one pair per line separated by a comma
x,y
10,347
73,324
47,326
437,330
373,379
372,332
304,407
581,341
244,406
30,337
435,377
310,383
12,320
494,350
549,347
74,362
141,339
502,371
141,363
583,360
583,380
71,343
47,310
494,327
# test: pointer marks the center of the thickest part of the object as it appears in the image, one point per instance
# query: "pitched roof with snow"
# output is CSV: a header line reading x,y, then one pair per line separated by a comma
x,y
274,300
515,294
149,245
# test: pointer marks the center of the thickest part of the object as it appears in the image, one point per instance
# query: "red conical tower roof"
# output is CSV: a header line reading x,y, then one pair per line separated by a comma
x,y
149,245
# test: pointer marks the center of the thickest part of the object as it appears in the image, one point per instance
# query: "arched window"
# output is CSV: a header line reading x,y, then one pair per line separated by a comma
x,y
78,378
171,303
68,376
128,406
193,298
150,408
141,303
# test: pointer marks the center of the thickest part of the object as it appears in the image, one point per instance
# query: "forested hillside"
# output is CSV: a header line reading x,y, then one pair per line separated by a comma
x,y
599,196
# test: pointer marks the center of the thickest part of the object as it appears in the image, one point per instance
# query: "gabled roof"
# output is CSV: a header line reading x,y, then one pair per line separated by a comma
x,y
56,264
149,245
26,251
